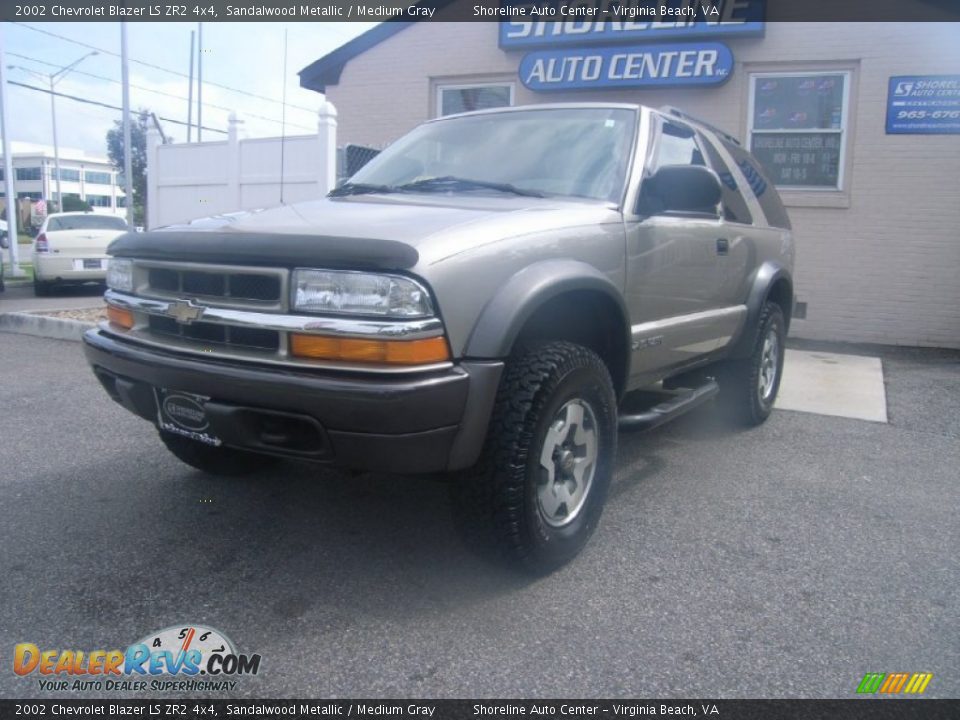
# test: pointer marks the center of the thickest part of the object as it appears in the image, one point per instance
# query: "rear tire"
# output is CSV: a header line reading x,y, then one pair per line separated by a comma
x,y
538,491
41,288
223,461
748,387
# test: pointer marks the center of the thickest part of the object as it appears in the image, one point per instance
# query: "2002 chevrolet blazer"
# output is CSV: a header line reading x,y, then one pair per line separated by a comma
x,y
484,296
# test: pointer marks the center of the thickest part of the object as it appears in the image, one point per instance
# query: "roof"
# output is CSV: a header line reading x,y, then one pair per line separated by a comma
x,y
326,71
29,150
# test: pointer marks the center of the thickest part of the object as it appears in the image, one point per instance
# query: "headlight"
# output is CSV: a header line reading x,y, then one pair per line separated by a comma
x,y
120,274
358,293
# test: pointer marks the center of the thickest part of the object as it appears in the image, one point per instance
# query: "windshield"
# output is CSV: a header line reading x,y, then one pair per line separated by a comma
x,y
582,152
87,222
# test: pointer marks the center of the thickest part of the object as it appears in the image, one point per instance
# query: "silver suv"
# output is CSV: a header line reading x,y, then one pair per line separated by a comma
x,y
494,294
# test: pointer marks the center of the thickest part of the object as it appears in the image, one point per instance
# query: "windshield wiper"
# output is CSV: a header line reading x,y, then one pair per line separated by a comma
x,y
449,182
361,189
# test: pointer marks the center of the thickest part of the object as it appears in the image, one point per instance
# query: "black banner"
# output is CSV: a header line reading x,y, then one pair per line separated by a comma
x,y
464,10
854,709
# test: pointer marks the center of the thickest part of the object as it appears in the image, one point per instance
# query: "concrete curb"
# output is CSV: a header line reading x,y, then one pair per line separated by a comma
x,y
42,326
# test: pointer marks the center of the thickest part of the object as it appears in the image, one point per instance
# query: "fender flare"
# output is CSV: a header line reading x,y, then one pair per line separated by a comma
x,y
504,316
763,280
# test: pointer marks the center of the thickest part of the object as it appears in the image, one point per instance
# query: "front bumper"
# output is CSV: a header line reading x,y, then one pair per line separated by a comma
x,y
406,424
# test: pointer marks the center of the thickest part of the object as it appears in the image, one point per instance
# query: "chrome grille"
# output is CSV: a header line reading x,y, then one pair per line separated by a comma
x,y
232,285
214,334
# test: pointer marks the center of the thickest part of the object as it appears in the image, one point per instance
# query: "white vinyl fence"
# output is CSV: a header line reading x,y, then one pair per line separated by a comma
x,y
186,181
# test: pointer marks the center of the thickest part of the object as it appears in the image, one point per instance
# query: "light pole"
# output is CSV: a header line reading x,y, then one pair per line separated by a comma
x,y
53,78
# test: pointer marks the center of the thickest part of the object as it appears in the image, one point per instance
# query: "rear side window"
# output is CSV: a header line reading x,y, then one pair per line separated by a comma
x,y
759,185
734,206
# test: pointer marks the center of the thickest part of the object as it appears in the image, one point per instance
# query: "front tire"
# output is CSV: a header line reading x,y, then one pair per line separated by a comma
x,y
538,492
222,461
748,387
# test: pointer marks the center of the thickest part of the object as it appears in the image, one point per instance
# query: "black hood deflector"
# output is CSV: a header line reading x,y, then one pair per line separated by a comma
x,y
262,248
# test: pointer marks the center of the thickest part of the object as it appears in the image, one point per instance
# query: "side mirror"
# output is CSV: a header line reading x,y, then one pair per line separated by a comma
x,y
4,240
680,189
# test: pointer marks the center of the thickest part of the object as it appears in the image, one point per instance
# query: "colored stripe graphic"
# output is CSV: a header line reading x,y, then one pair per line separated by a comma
x,y
893,683
918,683
871,682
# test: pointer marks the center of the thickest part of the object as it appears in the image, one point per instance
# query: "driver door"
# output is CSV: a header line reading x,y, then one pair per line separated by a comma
x,y
674,269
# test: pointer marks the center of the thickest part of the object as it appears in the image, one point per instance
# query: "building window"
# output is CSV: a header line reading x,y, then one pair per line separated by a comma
x,y
32,173
452,99
798,127
97,178
68,175
98,201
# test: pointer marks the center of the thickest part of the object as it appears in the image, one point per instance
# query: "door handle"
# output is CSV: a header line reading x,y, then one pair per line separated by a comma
x,y
723,246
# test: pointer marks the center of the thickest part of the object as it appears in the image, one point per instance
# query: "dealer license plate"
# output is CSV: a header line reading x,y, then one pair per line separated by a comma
x,y
89,264
184,414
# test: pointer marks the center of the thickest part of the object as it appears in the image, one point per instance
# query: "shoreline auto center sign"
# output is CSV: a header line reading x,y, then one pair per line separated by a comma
x,y
923,105
635,29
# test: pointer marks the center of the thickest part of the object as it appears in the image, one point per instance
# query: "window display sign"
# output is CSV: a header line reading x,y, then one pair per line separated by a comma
x,y
799,159
640,66
584,22
797,127
923,105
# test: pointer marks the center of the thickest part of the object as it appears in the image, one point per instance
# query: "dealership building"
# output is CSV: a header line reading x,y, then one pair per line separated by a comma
x,y
858,125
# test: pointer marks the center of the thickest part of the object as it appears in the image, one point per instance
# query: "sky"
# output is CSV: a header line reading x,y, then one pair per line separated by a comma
x,y
243,56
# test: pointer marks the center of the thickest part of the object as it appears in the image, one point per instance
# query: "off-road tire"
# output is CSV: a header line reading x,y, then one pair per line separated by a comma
x,y
741,392
497,501
223,461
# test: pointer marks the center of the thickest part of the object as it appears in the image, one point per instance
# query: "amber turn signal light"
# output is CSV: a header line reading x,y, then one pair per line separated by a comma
x,y
120,316
387,352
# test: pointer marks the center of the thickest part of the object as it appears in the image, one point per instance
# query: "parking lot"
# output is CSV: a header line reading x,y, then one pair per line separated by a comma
x,y
783,561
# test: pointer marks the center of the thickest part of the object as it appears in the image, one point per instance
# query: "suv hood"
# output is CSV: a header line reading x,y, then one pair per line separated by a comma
x,y
362,231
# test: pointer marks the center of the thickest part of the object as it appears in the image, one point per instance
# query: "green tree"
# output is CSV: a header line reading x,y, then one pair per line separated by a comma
x,y
73,203
138,158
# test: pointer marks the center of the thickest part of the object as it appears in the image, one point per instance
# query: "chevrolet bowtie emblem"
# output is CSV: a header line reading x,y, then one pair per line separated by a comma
x,y
185,312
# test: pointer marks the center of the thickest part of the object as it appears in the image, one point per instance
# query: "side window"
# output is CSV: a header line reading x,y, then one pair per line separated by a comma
x,y
734,206
676,146
759,185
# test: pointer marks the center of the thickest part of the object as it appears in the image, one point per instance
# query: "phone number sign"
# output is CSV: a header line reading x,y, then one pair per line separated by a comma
x,y
923,105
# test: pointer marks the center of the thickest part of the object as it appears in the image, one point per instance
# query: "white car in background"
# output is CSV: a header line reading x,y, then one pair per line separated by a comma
x,y
72,248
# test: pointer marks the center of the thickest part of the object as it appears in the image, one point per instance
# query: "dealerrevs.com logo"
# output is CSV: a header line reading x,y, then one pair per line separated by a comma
x,y
182,658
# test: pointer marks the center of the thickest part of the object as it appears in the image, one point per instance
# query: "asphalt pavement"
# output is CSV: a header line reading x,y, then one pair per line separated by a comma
x,y
784,561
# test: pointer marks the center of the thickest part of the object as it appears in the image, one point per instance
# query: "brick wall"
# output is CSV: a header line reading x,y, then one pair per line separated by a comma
x,y
878,262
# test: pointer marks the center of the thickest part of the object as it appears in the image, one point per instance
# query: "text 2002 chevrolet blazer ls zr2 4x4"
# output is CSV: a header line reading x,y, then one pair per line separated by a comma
x,y
484,297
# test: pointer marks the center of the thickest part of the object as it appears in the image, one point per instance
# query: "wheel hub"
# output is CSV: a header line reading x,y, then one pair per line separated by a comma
x,y
769,362
567,463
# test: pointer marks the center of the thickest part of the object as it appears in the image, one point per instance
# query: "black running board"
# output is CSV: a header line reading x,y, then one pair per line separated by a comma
x,y
670,409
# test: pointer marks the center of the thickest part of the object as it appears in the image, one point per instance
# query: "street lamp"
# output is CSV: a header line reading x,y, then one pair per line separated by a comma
x,y
53,78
